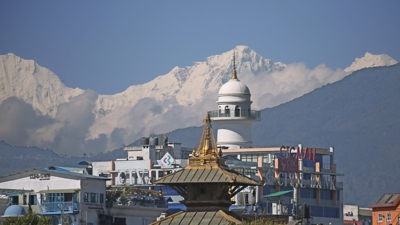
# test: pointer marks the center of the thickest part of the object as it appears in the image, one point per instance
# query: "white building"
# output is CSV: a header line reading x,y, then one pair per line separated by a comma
x,y
72,195
153,159
62,194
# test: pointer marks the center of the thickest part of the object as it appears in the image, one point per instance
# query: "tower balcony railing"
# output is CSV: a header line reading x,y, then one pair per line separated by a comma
x,y
248,114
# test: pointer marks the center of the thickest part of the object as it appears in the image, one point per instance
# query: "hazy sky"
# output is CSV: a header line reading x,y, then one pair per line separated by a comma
x,y
109,45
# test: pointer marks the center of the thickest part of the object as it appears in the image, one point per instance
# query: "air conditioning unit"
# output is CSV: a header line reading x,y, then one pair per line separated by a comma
x,y
276,209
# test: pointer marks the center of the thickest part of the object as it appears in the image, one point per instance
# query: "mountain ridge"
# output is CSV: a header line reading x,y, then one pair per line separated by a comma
x,y
72,121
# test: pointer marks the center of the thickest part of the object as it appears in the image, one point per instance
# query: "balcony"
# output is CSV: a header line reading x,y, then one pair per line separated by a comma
x,y
239,114
47,208
140,201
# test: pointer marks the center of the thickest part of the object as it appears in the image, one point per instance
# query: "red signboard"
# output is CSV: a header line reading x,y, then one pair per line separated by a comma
x,y
288,165
298,153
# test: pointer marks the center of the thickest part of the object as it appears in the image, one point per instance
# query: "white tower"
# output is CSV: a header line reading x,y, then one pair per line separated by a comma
x,y
234,116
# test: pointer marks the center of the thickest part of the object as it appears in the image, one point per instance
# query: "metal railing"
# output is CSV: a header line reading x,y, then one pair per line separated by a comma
x,y
59,207
252,114
143,201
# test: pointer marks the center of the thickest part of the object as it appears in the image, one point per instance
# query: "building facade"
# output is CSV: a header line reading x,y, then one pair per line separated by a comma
x,y
386,210
61,194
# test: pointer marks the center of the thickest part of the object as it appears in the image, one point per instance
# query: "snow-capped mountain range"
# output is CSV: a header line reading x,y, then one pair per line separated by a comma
x,y
370,60
72,121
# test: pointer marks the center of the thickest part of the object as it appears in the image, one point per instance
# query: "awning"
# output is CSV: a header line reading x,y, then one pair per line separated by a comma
x,y
277,194
59,191
10,192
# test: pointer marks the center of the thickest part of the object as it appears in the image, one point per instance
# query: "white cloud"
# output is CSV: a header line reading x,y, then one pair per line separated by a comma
x,y
295,80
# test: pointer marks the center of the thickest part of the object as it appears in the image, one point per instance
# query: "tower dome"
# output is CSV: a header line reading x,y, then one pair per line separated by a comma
x,y
14,211
234,87
234,90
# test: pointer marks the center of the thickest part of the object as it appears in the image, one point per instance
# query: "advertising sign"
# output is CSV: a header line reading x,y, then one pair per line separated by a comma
x,y
167,161
288,165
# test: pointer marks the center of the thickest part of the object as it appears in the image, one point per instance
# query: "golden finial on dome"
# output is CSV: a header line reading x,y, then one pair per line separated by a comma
x,y
234,68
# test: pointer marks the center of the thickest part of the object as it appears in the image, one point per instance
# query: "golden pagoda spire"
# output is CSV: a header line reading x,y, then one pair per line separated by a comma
x,y
207,152
234,68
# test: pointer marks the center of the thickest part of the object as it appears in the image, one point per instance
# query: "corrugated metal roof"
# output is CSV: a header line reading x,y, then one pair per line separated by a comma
x,y
205,175
13,191
58,171
212,217
388,198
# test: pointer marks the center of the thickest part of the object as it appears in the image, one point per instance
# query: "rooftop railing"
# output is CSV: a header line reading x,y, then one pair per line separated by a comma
x,y
143,201
251,114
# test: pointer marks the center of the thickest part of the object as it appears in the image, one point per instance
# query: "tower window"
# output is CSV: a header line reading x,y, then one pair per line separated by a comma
x,y
227,111
237,111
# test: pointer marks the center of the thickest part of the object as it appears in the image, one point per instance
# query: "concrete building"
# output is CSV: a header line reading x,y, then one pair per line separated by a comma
x,y
58,193
386,210
354,215
71,195
154,158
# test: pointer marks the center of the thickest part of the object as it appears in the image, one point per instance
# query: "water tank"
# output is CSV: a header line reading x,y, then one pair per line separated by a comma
x,y
166,140
144,141
153,141
163,141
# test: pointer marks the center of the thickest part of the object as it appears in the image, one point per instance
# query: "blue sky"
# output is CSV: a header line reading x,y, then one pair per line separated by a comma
x,y
109,45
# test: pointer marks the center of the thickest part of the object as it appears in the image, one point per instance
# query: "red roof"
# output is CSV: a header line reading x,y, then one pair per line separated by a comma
x,y
352,222
387,200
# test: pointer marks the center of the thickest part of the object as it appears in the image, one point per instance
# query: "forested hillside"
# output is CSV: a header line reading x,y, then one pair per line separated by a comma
x,y
17,158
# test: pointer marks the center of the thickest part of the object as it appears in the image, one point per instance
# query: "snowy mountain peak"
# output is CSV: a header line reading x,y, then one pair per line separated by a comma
x,y
34,84
370,60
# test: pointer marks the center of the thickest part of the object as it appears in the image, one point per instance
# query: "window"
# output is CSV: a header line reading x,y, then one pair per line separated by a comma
x,y
237,111
68,197
388,217
317,211
101,198
14,200
326,194
120,220
380,217
307,193
32,199
56,197
227,111
331,212
85,197
93,197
